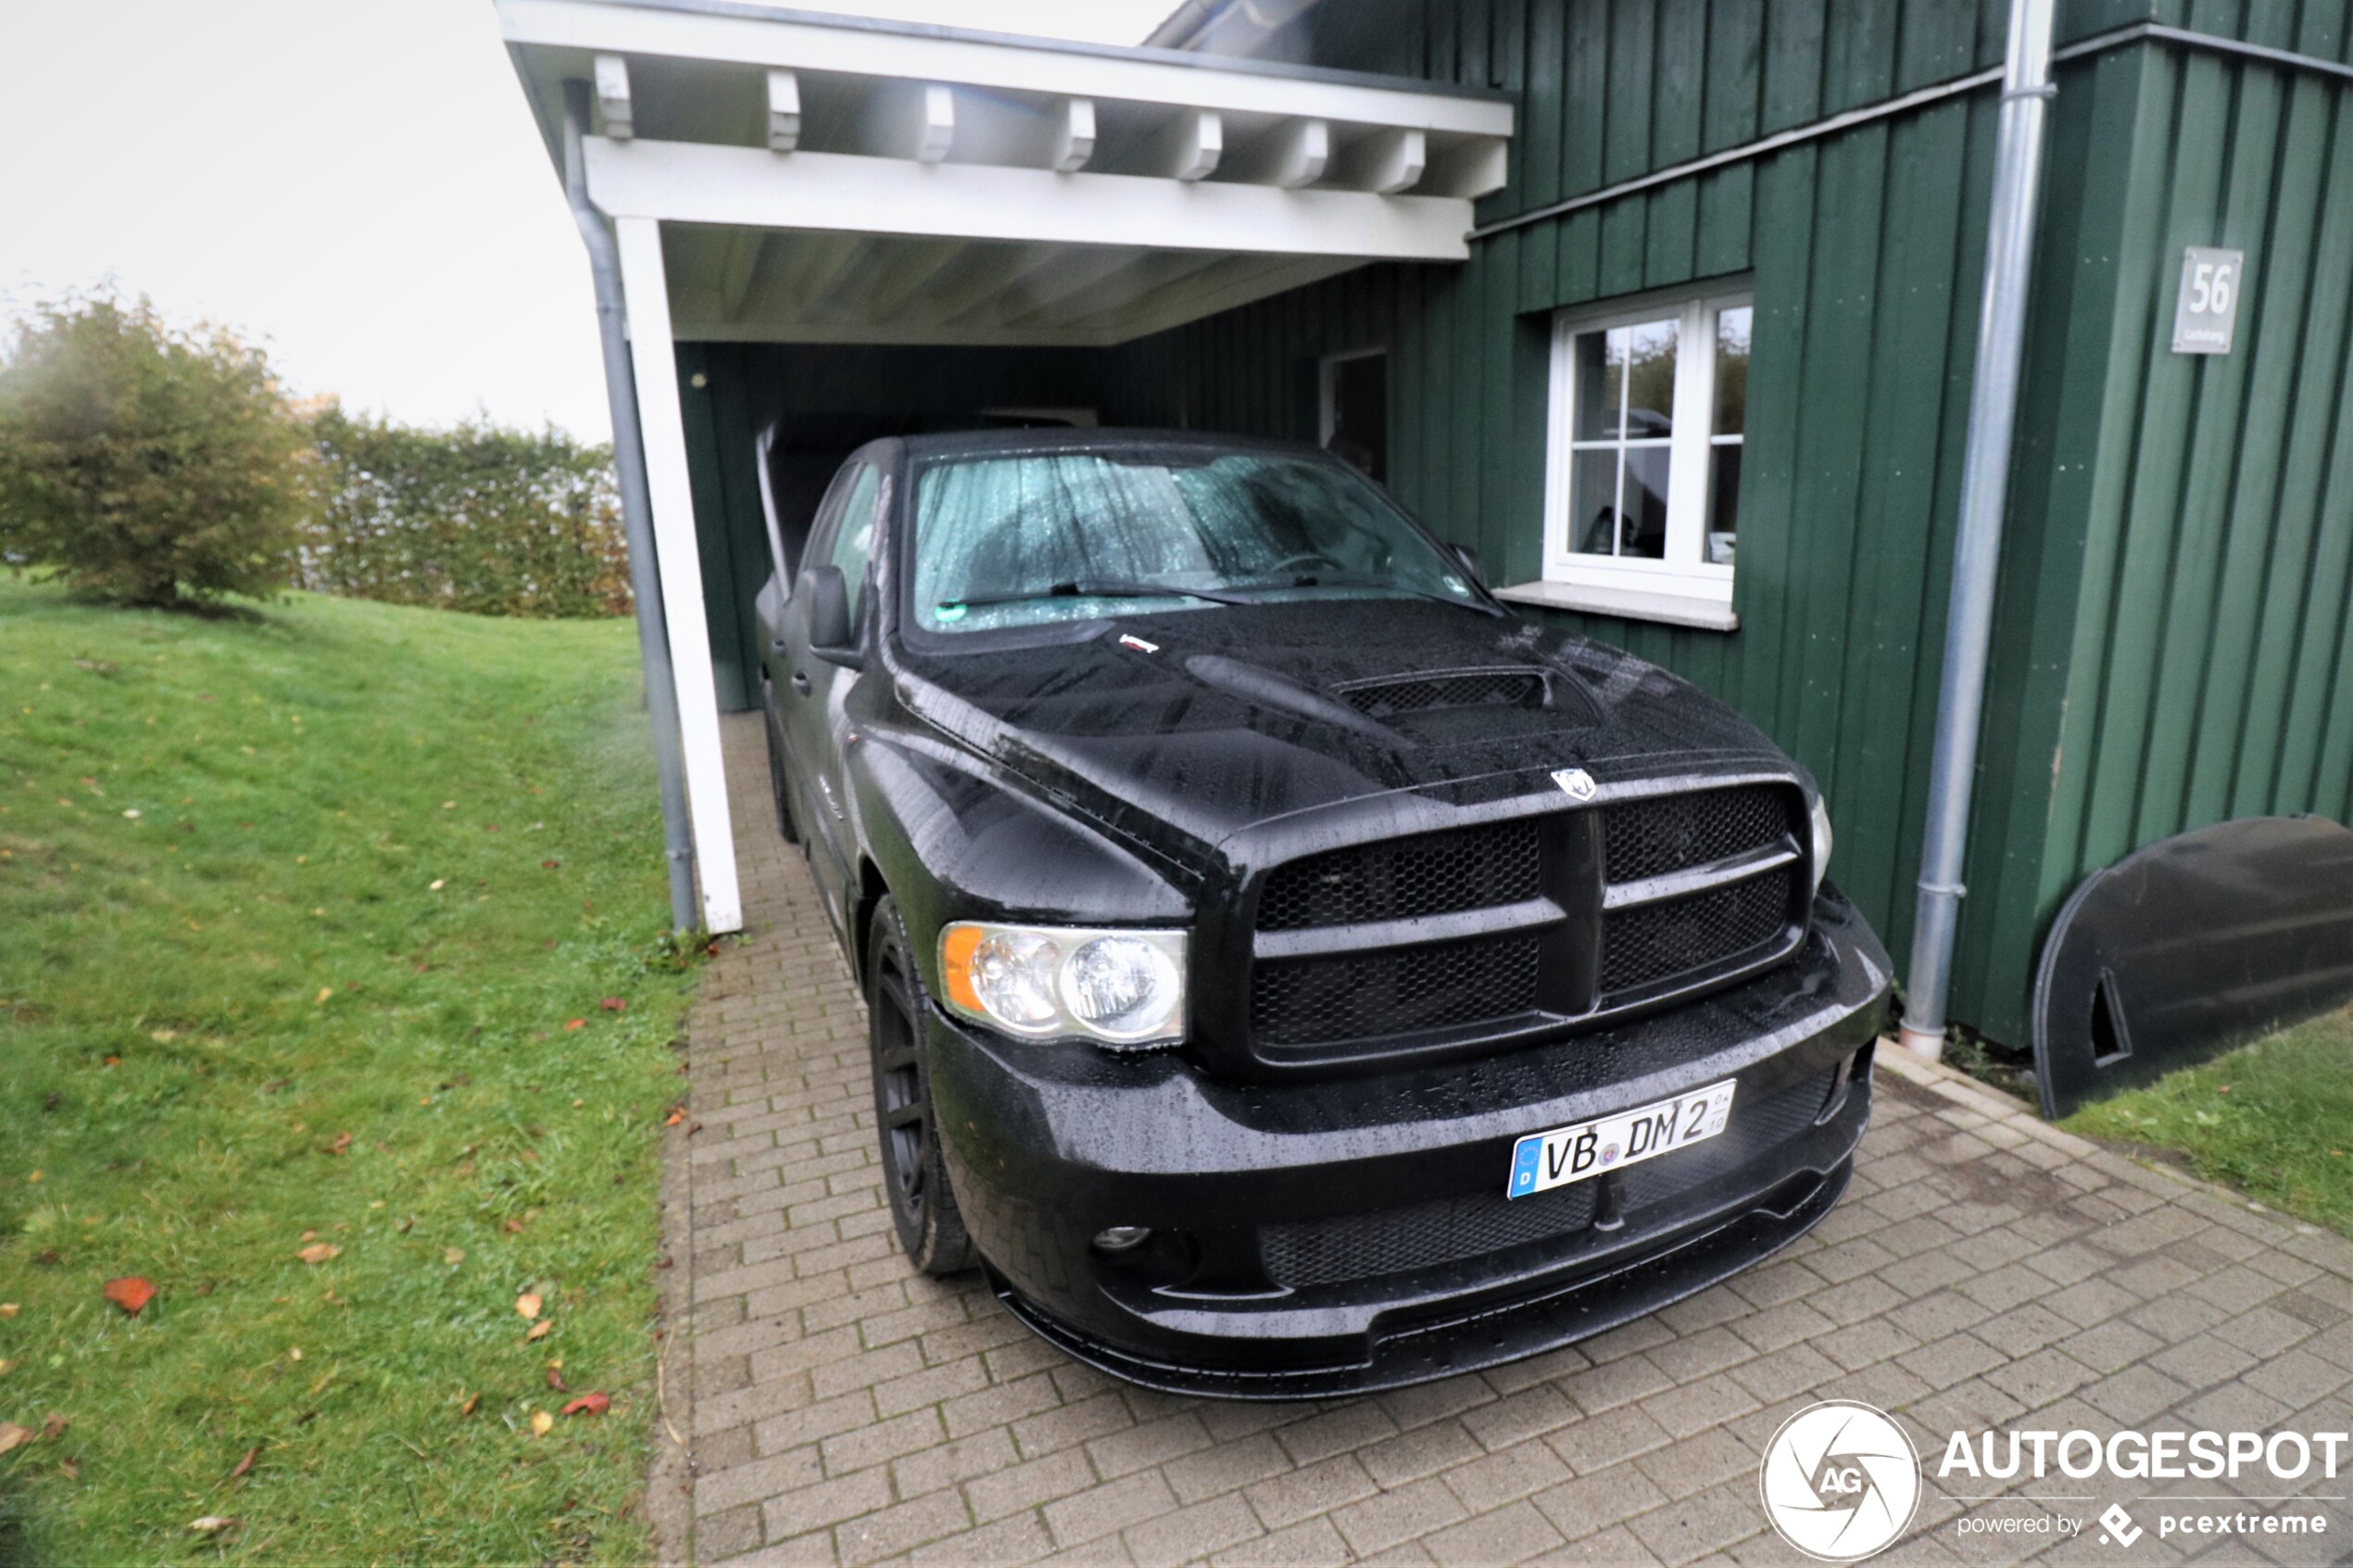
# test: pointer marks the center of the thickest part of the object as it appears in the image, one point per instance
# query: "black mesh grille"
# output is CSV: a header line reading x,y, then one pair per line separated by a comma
x,y
1504,688
1654,942
1757,1127
1308,1001
1421,1236
1431,873
1673,833
1452,1229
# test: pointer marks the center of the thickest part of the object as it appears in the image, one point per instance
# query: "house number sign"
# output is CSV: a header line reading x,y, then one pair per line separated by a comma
x,y
2208,308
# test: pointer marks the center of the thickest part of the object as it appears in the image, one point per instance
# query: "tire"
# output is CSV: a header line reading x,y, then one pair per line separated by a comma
x,y
786,829
923,1204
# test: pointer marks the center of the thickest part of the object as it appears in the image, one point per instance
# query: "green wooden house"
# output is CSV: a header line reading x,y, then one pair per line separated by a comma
x,y
1692,375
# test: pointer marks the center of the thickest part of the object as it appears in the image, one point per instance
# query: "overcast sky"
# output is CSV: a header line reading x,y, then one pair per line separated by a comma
x,y
354,183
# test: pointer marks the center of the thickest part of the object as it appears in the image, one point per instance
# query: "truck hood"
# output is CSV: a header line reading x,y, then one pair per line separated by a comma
x,y
1199,725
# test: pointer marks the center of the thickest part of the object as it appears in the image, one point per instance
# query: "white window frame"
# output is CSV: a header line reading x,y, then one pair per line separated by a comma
x,y
1685,573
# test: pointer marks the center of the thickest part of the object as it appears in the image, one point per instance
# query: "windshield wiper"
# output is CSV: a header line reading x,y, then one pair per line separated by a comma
x,y
1347,580
1100,588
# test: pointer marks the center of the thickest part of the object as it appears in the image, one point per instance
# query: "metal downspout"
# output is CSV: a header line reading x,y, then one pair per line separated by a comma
x,y
1985,471
636,512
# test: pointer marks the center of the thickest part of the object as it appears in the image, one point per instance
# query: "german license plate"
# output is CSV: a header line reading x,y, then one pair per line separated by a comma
x,y
1543,1160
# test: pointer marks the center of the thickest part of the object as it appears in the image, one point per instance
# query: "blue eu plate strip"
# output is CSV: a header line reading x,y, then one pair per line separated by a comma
x,y
1524,1157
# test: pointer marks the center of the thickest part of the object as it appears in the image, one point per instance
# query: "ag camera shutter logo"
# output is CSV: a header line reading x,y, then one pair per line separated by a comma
x,y
1840,1480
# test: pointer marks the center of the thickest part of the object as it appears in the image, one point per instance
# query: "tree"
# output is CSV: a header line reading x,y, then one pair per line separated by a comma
x,y
144,464
479,518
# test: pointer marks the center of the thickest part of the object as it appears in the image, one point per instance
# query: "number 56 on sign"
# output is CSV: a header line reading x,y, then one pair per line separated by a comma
x,y
2208,308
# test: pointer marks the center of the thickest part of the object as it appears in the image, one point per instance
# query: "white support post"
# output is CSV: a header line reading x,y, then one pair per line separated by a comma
x,y
646,293
613,97
784,111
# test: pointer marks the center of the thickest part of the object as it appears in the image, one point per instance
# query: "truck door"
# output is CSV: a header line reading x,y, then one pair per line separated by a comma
x,y
810,702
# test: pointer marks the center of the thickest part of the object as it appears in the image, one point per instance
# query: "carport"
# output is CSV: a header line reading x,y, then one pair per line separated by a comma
x,y
787,178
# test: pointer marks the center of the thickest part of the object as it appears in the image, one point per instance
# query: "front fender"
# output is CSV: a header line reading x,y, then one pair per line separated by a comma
x,y
956,837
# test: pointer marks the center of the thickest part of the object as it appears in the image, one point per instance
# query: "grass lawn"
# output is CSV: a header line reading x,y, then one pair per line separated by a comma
x,y
336,935
2274,1119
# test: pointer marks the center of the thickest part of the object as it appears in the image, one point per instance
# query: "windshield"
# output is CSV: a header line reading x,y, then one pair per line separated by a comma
x,y
1022,541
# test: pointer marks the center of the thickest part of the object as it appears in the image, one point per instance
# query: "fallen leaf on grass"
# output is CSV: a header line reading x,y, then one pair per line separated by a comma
x,y
319,1252
54,1428
528,1304
677,1114
70,1469
245,1463
436,885
453,1256
539,1330
7,1308
514,1227
131,1293
576,1023
474,1403
555,1381
342,1144
212,1524
324,993
615,1004
541,1423
13,1437
590,1404
550,865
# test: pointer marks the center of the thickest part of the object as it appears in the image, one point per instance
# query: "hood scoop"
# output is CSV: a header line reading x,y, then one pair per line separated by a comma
x,y
1396,696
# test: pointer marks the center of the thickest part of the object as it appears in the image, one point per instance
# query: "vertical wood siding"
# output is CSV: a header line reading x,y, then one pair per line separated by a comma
x,y
2209,669
2174,644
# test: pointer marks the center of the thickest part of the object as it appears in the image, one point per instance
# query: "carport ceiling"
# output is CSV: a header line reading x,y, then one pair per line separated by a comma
x,y
827,180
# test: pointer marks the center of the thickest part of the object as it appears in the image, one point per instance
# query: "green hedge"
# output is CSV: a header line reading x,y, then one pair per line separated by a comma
x,y
480,517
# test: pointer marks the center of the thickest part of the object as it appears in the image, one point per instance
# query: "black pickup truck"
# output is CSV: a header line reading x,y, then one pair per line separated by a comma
x,y
1289,973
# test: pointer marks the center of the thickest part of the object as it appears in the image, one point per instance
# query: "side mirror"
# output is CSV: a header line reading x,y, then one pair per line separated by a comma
x,y
830,637
1469,558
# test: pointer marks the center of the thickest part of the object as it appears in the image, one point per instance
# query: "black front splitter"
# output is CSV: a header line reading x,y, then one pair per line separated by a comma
x,y
1487,1332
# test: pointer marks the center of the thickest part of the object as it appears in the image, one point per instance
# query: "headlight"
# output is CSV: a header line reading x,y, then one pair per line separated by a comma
x,y
1114,987
1822,842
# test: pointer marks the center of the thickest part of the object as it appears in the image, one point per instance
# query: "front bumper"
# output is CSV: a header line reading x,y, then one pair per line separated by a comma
x,y
1325,1237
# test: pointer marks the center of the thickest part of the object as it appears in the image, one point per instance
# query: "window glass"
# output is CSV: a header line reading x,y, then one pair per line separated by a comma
x,y
853,541
1619,478
1650,378
1601,384
1024,540
1656,417
1733,324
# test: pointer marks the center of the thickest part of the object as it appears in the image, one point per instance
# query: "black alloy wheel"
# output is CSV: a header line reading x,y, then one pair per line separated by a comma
x,y
923,1206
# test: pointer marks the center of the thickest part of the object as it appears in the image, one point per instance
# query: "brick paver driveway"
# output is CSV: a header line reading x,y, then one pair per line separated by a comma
x,y
1981,1269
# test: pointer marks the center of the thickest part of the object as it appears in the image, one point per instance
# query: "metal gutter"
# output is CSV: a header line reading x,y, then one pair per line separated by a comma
x,y
1242,64
1918,98
1977,551
1198,24
637,513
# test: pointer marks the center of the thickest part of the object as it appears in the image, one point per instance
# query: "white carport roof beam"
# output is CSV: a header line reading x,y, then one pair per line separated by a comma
x,y
1028,66
699,182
